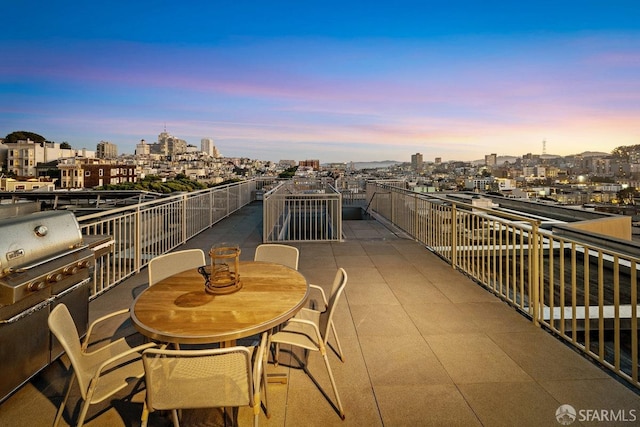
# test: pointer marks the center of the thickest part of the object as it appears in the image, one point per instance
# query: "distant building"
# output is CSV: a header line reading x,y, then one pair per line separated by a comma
x,y
438,160
491,159
98,175
417,162
106,150
71,174
23,156
168,145
506,184
40,184
314,164
89,173
207,146
143,149
479,183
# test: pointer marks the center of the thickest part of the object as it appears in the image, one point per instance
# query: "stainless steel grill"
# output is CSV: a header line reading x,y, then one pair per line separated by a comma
x,y
44,261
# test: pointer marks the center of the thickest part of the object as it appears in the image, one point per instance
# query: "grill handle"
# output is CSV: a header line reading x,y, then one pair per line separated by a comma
x,y
44,261
27,312
44,303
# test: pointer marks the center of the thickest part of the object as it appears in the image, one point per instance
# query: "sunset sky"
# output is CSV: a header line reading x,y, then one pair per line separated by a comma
x,y
334,81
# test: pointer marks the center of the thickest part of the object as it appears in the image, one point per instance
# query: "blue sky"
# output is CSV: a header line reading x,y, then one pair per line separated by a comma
x,y
335,81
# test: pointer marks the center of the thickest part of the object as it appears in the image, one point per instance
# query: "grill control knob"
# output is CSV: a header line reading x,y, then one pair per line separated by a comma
x,y
55,277
73,269
84,264
41,230
36,286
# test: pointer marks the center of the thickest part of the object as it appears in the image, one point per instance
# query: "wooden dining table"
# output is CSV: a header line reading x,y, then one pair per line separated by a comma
x,y
179,310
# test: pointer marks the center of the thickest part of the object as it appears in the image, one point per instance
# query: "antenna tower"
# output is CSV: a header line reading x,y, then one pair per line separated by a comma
x,y
544,146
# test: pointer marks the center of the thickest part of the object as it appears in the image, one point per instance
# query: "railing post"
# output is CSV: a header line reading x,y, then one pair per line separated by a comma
x,y
138,240
416,217
212,205
454,238
536,253
392,200
183,223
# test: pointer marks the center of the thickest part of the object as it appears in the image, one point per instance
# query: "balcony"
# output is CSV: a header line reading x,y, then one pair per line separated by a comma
x,y
424,344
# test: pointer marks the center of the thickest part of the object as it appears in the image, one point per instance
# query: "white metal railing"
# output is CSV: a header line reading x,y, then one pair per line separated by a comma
x,y
302,210
584,293
145,230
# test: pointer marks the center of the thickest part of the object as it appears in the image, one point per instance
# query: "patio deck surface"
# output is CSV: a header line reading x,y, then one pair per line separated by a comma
x,y
424,345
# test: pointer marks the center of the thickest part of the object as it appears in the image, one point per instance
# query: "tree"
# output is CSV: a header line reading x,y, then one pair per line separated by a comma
x,y
289,173
65,145
627,195
624,151
22,135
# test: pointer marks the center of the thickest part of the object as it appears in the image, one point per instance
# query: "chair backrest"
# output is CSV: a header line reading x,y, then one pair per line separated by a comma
x,y
62,326
177,379
278,254
339,283
171,263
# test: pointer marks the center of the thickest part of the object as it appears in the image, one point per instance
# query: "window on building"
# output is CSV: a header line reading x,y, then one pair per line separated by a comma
x,y
101,172
87,173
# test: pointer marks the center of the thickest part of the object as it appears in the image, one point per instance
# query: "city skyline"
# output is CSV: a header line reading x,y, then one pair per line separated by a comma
x,y
333,81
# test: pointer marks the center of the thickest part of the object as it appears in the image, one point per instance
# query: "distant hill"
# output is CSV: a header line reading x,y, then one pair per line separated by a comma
x,y
511,159
593,154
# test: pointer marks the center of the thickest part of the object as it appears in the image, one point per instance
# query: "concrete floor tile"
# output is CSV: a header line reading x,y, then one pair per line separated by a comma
x,y
511,404
362,275
545,357
424,405
496,316
403,360
351,261
382,320
475,358
438,318
370,293
595,394
418,293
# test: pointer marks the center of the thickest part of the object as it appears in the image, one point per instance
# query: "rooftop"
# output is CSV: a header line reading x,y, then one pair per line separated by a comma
x,y
424,345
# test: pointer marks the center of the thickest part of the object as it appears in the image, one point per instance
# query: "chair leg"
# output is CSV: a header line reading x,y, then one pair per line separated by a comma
x,y
276,354
145,414
264,388
174,416
335,335
333,383
64,401
83,412
87,402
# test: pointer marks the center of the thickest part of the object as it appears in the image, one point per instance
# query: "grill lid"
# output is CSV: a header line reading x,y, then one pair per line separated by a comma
x,y
37,236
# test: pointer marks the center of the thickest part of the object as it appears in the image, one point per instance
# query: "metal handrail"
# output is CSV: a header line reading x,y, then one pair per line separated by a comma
x,y
543,275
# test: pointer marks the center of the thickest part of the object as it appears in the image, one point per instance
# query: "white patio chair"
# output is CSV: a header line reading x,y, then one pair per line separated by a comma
x,y
309,330
100,373
210,378
278,254
171,263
